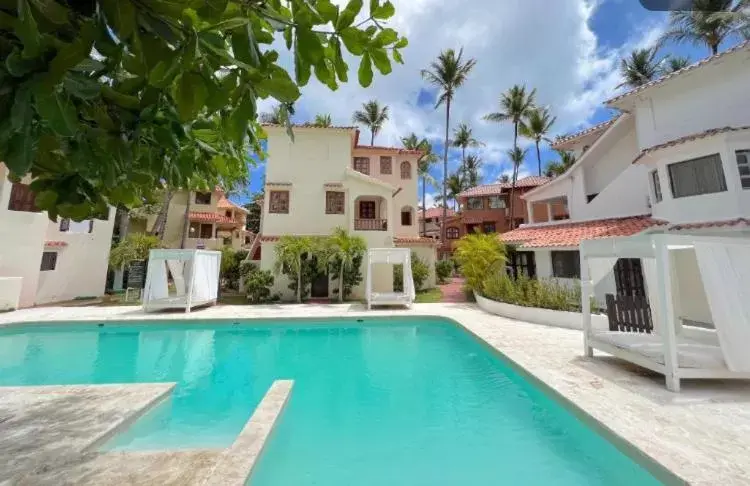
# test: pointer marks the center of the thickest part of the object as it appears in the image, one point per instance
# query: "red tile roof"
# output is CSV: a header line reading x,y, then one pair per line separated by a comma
x,y
410,240
225,203
587,131
398,150
206,217
679,72
727,223
689,138
497,189
55,244
571,234
308,125
436,213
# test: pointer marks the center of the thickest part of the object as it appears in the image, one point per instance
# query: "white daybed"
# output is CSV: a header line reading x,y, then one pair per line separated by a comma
x,y
392,256
195,274
674,349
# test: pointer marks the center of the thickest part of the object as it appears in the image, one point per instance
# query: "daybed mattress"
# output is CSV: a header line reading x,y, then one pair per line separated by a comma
x,y
690,354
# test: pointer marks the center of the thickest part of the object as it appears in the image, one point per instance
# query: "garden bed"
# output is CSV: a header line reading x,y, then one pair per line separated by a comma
x,y
536,315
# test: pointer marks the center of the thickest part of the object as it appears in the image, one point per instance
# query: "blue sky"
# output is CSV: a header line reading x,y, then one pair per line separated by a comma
x,y
567,49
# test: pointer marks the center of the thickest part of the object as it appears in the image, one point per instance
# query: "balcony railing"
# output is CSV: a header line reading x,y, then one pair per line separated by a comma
x,y
371,224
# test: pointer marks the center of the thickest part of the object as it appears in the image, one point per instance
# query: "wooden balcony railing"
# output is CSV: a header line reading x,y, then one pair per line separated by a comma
x,y
370,224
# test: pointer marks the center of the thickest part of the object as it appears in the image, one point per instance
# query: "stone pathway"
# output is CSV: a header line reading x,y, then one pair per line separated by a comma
x,y
453,291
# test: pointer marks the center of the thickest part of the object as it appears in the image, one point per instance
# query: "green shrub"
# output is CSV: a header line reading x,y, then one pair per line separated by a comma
x,y
529,292
231,261
420,271
479,255
443,270
135,247
258,285
352,274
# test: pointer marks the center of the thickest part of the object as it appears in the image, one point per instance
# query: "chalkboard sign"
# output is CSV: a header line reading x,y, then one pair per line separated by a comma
x,y
137,274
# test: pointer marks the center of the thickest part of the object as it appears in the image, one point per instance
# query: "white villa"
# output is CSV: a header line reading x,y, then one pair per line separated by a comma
x,y
324,179
43,261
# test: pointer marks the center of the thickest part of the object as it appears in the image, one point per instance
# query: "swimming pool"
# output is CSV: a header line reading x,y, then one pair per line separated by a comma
x,y
408,402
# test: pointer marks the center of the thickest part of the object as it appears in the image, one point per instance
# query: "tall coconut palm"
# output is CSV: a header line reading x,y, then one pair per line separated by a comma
x,y
639,68
516,156
373,116
537,125
515,105
343,249
290,252
708,22
472,165
455,187
463,138
423,168
567,159
322,120
447,73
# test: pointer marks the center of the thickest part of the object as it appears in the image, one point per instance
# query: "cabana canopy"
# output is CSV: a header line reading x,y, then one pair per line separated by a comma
x,y
195,275
393,256
676,346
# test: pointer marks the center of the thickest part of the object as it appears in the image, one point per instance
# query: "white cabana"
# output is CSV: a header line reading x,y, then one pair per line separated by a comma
x,y
392,256
195,275
708,276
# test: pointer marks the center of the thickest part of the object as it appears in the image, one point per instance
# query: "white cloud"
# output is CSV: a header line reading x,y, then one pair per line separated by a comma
x,y
548,45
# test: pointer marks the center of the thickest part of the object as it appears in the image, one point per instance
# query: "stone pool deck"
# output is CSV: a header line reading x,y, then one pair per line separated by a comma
x,y
702,435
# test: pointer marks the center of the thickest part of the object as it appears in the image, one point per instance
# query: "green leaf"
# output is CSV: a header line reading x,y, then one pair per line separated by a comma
x,y
283,90
240,118
397,56
67,57
27,30
52,11
381,61
353,41
191,96
21,112
17,66
308,45
384,12
81,86
374,4
348,15
45,199
164,73
166,137
301,69
244,46
120,99
341,68
59,113
120,16
402,42
385,37
190,51
218,98
20,153
216,7
325,74
328,11
228,24
288,37
365,71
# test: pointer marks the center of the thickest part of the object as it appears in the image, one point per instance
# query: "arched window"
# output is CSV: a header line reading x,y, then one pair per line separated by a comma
x,y
405,170
451,233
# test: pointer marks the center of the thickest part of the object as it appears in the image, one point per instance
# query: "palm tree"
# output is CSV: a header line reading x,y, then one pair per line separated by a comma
x,y
322,120
708,22
504,179
515,105
567,159
516,156
448,73
423,168
290,251
455,187
343,249
537,125
674,63
279,115
373,116
463,138
471,171
639,68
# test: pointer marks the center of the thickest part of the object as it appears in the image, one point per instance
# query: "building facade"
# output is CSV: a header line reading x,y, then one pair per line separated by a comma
x,y
324,179
43,261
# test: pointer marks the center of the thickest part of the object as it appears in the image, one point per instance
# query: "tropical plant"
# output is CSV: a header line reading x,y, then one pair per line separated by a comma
x,y
537,125
135,246
639,67
103,100
323,120
229,270
567,159
343,249
373,116
516,156
515,105
504,179
254,208
463,138
424,163
447,73
708,22
674,63
258,283
280,114
472,166
478,255
530,292
443,270
420,271
291,252
455,187
352,275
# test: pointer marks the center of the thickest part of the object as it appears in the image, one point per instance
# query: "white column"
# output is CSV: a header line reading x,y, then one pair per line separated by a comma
x,y
588,351
670,322
549,212
529,211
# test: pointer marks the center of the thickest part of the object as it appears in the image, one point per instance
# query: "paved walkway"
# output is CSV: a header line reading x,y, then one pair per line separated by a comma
x,y
453,291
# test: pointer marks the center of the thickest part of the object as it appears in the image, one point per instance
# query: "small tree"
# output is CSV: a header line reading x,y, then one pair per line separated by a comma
x,y
135,246
478,254
291,251
419,273
345,249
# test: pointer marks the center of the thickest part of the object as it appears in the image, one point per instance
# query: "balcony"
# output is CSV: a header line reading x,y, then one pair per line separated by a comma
x,y
371,224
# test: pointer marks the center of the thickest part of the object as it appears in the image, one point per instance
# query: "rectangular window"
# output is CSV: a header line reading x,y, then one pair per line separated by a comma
x,y
362,164
386,165
743,165
656,185
452,233
49,261
497,202
405,218
202,198
566,264
474,203
521,263
703,175
334,202
488,227
367,210
22,199
64,225
206,231
279,202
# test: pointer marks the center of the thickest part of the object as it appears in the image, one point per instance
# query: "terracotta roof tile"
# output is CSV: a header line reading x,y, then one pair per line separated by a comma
x,y
399,150
586,131
309,125
407,240
225,203
207,217
679,72
689,138
497,189
727,223
571,234
436,213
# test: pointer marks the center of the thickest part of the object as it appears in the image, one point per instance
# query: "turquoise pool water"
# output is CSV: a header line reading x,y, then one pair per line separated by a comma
x,y
412,403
